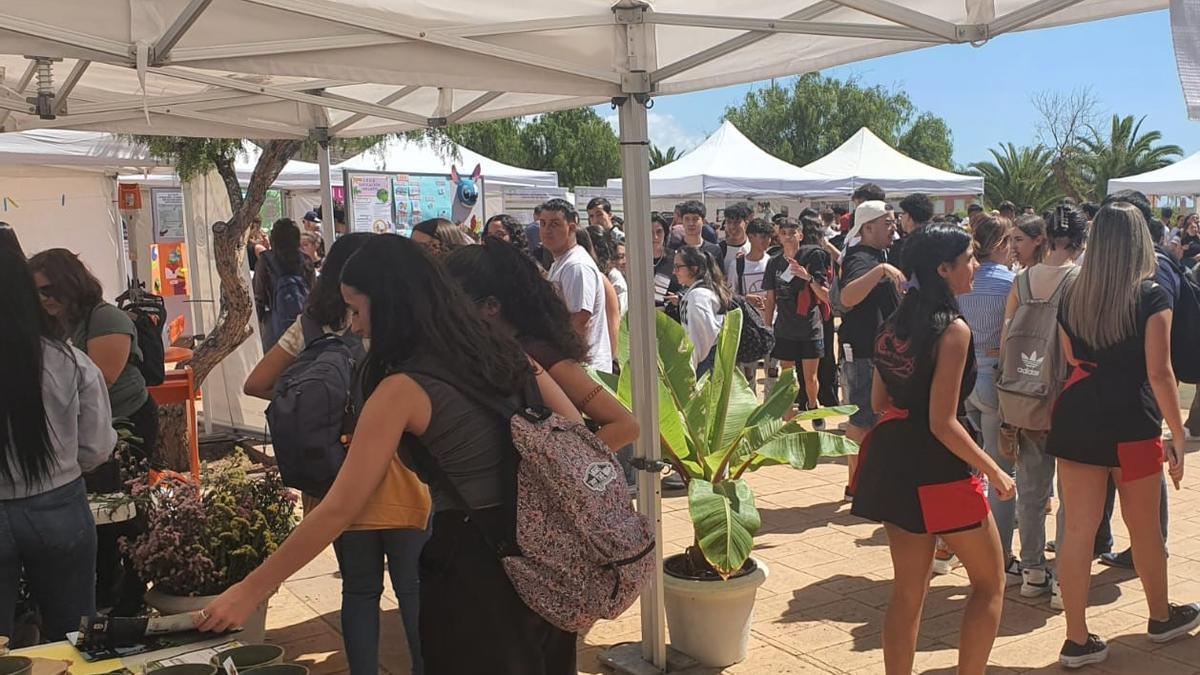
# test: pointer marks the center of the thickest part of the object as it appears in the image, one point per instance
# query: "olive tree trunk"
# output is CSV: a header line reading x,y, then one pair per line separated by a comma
x,y
236,307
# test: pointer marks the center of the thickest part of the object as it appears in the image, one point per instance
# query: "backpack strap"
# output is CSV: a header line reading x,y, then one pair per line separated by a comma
x,y
1024,290
310,329
741,274
1056,296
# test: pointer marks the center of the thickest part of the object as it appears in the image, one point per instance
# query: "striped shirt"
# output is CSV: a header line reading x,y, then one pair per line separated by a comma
x,y
983,307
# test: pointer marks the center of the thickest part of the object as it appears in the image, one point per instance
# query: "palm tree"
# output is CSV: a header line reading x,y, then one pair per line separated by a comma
x,y
1023,176
1125,152
659,158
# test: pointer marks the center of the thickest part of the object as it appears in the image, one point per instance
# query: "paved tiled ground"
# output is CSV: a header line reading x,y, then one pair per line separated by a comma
x,y
821,609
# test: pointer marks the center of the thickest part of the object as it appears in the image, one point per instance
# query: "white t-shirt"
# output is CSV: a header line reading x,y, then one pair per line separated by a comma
x,y
581,286
730,263
752,275
622,288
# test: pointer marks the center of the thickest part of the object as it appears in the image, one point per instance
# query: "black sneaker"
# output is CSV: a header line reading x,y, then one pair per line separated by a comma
x,y
1122,560
1183,619
673,481
1075,655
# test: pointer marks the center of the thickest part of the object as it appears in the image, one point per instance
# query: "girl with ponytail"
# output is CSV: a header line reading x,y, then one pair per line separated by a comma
x,y
918,468
703,305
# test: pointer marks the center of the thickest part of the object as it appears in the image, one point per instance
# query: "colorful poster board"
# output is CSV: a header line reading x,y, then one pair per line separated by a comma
x,y
371,203
421,197
168,269
272,208
167,213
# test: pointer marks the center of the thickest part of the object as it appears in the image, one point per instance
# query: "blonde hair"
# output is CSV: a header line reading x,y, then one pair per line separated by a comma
x,y
1101,307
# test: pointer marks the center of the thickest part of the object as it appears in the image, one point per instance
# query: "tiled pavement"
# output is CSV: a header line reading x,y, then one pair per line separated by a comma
x,y
821,608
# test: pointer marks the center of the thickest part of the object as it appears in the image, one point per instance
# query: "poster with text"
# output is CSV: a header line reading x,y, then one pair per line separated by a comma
x,y
167,214
168,270
371,203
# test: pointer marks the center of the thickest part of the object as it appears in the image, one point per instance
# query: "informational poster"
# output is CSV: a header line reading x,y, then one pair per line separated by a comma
x,y
168,269
421,197
167,211
371,203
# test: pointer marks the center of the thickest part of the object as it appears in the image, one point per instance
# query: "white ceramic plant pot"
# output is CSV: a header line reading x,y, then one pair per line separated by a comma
x,y
710,620
253,632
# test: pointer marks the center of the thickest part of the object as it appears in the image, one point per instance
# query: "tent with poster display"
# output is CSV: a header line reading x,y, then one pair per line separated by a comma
x,y
865,158
318,68
728,164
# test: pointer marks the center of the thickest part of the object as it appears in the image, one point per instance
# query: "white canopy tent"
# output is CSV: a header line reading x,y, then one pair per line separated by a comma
x,y
356,67
730,165
865,158
1180,178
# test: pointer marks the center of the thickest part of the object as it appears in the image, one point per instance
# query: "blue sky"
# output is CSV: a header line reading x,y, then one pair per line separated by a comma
x,y
984,94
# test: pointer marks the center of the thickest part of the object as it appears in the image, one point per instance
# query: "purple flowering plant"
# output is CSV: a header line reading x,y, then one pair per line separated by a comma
x,y
202,539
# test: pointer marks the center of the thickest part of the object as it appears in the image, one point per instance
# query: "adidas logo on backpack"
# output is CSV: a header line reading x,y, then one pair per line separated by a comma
x,y
1032,364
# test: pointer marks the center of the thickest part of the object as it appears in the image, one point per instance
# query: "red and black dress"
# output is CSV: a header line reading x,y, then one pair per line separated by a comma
x,y
1106,414
905,475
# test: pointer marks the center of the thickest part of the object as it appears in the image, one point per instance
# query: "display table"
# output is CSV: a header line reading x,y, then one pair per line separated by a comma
x,y
65,651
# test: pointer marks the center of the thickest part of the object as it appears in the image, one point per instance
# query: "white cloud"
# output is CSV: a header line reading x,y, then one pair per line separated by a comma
x,y
665,131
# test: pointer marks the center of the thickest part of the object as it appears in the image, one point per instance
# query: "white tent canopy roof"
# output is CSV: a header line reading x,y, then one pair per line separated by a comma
x,y
362,67
727,163
1180,178
865,158
88,150
402,155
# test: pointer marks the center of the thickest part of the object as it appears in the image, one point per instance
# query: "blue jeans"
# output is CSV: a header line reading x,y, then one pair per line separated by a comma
x,y
53,537
858,377
706,364
983,409
361,555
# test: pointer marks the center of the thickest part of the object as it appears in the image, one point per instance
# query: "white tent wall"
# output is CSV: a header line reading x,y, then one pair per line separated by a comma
x,y
50,207
205,202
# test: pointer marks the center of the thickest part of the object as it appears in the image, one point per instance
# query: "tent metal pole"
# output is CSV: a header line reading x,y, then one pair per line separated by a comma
x,y
328,232
643,354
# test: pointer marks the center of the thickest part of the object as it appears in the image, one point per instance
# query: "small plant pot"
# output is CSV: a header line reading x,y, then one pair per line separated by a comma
x,y
281,669
254,630
251,657
16,665
709,619
187,669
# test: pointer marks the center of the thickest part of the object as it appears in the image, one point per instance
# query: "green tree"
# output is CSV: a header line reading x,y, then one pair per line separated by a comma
x,y
1024,176
1125,151
578,144
812,115
659,158
192,157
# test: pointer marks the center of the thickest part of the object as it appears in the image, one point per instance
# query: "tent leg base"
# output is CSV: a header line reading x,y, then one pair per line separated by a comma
x,y
627,660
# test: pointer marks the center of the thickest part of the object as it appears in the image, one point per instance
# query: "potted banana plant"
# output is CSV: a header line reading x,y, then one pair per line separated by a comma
x,y
713,432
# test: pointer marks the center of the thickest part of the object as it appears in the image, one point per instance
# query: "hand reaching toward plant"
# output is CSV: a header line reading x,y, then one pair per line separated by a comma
x,y
229,611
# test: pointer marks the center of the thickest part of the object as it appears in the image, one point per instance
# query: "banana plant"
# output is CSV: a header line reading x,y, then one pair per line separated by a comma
x,y
714,430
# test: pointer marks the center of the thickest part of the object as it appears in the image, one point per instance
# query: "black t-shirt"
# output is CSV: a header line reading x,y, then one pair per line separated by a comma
x,y
1128,357
789,323
861,322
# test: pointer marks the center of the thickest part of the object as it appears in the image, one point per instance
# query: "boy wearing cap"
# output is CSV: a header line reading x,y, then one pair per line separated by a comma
x,y
870,292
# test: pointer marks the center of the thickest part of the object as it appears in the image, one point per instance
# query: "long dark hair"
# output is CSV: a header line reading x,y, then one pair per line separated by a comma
x,y
418,314
516,233
708,272
24,432
8,239
527,300
604,248
285,246
325,303
71,283
929,305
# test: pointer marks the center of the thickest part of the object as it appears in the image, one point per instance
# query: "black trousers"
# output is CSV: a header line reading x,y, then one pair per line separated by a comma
x,y
118,583
472,620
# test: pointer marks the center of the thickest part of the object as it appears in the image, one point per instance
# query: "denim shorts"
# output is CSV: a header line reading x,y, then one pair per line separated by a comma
x,y
858,376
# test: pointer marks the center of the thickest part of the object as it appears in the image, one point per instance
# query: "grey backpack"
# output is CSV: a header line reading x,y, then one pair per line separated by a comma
x,y
1032,368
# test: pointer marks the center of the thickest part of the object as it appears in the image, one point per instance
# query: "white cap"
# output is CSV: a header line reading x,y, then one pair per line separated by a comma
x,y
865,213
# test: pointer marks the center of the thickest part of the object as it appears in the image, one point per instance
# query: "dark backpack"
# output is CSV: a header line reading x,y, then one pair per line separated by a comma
x,y
757,340
289,294
571,542
313,411
149,315
1185,325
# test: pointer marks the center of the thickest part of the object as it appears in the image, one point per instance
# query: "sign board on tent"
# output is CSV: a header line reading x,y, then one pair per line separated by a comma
x,y
272,208
583,195
168,269
167,213
394,202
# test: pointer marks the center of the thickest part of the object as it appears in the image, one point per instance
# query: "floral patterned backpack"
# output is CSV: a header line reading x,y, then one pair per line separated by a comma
x,y
580,551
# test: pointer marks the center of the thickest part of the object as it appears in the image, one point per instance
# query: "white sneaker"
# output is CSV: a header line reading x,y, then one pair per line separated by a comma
x,y
943,566
1035,582
1056,601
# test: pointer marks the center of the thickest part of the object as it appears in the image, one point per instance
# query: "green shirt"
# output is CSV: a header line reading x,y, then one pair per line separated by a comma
x,y
128,394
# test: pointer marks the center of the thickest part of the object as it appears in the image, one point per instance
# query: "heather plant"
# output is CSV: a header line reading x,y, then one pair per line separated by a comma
x,y
202,539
